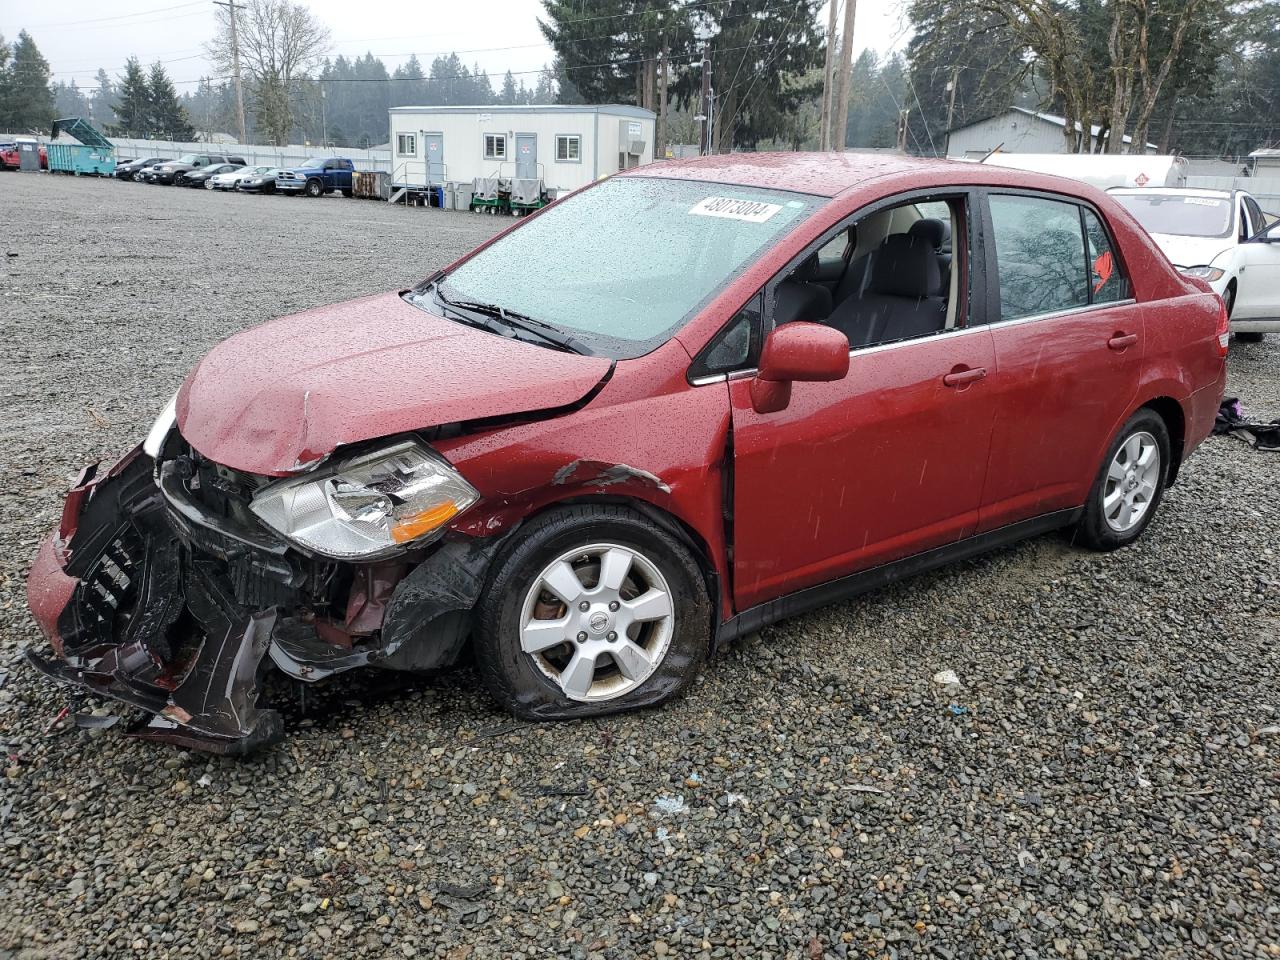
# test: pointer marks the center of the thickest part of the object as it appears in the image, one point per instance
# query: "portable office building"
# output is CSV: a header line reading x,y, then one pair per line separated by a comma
x,y
565,145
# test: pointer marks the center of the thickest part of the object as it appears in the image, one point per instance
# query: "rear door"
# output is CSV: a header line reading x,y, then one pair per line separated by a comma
x,y
1068,343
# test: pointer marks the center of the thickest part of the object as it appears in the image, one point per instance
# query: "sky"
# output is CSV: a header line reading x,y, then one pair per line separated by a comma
x,y
79,36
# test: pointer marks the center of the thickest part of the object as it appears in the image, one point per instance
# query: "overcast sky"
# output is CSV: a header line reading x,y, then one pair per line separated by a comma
x,y
78,36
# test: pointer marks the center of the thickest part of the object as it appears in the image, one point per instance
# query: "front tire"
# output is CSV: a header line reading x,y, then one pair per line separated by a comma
x,y
1129,485
315,188
591,610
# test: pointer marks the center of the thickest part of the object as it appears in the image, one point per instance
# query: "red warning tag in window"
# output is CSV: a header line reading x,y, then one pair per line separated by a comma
x,y
1103,267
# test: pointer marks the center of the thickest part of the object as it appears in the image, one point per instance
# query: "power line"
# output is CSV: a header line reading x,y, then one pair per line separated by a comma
x,y
119,16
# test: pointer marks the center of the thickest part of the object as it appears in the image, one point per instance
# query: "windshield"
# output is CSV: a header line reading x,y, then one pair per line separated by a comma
x,y
1180,214
186,158
623,264
315,162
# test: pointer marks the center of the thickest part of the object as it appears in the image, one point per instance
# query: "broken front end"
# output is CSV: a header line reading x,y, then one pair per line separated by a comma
x,y
173,582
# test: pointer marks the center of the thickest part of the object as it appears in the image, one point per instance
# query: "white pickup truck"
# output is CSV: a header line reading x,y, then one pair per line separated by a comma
x,y
1222,237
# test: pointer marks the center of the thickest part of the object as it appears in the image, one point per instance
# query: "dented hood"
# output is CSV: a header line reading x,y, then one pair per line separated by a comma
x,y
288,392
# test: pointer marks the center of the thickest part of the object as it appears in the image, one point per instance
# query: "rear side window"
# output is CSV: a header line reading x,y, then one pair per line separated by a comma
x,y
1040,256
1107,282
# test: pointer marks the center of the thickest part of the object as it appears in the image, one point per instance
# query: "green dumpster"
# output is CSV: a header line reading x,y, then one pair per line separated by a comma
x,y
94,154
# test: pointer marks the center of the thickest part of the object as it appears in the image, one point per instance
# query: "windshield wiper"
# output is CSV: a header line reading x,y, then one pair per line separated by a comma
x,y
515,320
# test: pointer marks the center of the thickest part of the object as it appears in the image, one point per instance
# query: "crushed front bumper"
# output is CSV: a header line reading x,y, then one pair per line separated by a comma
x,y
158,591
134,616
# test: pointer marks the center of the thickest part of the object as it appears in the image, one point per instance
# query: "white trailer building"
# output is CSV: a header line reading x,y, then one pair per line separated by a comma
x,y
565,145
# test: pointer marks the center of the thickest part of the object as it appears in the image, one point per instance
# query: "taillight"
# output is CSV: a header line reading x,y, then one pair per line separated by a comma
x,y
1224,328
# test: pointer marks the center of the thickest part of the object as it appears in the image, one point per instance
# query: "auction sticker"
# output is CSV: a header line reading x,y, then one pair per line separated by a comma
x,y
752,211
1202,201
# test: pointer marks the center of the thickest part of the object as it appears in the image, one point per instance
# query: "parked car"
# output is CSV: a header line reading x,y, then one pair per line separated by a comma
x,y
317,176
230,178
895,363
204,176
173,171
129,169
10,158
1221,237
264,182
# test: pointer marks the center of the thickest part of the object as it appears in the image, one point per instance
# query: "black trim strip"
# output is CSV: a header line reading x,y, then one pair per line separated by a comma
x,y
811,598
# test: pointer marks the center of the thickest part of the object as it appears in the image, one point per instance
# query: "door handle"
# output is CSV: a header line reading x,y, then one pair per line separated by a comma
x,y
1122,340
958,378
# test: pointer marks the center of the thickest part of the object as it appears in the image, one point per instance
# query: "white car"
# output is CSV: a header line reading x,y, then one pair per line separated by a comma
x,y
228,181
1222,237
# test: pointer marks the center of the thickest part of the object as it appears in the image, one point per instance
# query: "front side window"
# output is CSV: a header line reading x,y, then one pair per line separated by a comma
x,y
1039,256
568,149
1107,282
897,273
495,146
406,145
621,265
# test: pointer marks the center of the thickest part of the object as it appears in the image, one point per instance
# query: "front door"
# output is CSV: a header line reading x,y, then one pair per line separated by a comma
x,y
1258,297
435,157
1068,343
527,156
889,461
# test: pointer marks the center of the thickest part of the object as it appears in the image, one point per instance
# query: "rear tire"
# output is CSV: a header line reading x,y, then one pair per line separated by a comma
x,y
567,668
1250,336
1128,488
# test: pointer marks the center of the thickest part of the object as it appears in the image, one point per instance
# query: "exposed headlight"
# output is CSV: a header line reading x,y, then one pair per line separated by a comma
x,y
367,506
1203,272
160,429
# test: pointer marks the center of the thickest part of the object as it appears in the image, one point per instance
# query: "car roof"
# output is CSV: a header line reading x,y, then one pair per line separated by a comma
x,y
831,174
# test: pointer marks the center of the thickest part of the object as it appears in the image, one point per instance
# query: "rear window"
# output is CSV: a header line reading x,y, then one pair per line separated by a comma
x,y
1179,214
1040,255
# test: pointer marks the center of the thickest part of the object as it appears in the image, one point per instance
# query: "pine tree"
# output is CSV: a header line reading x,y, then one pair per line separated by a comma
x,y
6,84
133,109
509,93
166,112
101,99
30,97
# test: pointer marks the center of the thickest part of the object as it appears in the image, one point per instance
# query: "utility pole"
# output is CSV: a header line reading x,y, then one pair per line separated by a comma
x,y
951,103
235,64
705,146
824,121
840,124
662,105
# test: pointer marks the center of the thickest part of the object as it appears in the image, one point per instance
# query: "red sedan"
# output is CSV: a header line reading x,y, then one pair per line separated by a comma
x,y
671,408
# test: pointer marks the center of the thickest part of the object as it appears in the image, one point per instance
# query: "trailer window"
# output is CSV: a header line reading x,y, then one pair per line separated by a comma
x,y
568,149
495,146
406,145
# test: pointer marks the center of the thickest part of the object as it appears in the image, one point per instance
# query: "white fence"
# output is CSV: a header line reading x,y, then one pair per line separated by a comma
x,y
254,154
1266,190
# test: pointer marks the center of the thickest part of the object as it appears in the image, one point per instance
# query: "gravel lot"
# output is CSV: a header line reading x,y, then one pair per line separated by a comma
x,y
1104,781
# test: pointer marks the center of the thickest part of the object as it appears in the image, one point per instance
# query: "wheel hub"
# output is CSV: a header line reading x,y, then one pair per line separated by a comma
x,y
610,626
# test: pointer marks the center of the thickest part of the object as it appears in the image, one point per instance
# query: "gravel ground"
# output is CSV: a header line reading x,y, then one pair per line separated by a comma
x,y
1103,782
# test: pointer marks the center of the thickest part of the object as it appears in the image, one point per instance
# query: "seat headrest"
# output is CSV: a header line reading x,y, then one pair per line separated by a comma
x,y
935,233
905,266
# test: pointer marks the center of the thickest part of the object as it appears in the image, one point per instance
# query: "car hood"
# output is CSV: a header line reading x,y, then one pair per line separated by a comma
x,y
1191,251
275,398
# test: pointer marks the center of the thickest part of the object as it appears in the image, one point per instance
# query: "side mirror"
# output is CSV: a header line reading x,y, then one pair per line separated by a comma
x,y
1269,234
808,352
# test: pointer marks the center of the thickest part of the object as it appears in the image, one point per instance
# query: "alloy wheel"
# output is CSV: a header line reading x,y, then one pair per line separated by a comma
x,y
598,621
1131,482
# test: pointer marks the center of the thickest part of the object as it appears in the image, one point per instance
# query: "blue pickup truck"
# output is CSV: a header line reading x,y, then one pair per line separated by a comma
x,y
317,176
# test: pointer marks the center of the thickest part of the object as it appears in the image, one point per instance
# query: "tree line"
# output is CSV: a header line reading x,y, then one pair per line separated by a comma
x,y
1201,77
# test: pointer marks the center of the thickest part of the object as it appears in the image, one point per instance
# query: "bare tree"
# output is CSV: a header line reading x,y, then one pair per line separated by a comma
x,y
1102,60
280,44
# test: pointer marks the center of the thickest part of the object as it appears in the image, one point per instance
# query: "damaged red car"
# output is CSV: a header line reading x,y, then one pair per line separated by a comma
x,y
669,409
